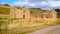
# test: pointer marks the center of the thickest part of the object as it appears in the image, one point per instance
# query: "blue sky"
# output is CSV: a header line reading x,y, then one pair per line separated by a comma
x,y
44,4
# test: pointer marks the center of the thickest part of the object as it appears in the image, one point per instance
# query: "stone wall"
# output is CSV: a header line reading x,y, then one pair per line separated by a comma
x,y
19,13
46,14
25,13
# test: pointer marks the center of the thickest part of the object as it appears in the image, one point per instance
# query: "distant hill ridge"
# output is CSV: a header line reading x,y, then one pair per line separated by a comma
x,y
6,10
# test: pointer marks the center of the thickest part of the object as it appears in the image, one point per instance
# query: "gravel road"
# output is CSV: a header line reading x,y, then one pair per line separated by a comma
x,y
49,30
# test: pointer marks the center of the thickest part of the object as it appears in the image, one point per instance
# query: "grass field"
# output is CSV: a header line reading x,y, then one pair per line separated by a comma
x,y
23,26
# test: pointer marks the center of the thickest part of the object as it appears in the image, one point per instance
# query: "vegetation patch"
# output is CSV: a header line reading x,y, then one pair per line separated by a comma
x,y
4,10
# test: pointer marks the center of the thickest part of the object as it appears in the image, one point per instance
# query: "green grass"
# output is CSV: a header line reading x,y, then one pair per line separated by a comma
x,y
32,26
17,19
57,22
22,33
4,10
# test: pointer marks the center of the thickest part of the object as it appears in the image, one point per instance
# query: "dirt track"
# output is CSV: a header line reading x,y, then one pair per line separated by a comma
x,y
49,30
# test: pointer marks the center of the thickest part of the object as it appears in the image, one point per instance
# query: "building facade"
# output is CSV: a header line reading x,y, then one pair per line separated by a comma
x,y
25,13
19,13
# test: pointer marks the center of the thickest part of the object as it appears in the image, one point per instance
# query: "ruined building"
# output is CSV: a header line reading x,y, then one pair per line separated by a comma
x,y
26,13
46,14
19,13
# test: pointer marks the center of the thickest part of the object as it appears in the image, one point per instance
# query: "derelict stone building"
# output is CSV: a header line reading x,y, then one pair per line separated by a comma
x,y
25,13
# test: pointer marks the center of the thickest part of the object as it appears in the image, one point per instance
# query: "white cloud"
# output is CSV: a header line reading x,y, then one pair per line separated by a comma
x,y
50,3
54,3
19,3
46,4
43,3
25,3
32,5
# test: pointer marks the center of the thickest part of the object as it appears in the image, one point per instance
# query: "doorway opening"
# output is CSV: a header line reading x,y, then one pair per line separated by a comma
x,y
24,16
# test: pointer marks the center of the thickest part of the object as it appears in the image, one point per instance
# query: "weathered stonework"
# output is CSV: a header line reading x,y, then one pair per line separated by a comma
x,y
45,14
19,13
25,13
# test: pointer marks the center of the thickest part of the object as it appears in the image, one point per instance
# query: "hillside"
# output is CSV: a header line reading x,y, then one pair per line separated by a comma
x,y
35,10
4,10
58,12
38,10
